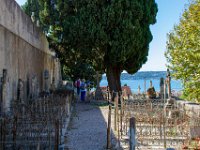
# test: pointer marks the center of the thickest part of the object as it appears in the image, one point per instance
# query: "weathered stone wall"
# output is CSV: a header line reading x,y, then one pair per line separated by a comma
x,y
193,112
25,54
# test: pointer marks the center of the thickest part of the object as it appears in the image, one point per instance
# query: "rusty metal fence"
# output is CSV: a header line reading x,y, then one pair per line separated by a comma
x,y
158,123
36,124
158,126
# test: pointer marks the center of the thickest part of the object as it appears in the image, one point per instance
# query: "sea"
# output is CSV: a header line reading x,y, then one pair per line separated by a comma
x,y
140,78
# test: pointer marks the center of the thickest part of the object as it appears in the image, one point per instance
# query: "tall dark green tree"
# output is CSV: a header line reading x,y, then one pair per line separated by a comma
x,y
113,35
72,67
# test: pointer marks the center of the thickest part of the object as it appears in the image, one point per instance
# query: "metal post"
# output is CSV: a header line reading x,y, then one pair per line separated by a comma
x,y
38,146
164,114
164,92
14,131
109,128
132,141
117,111
1,95
3,134
49,135
4,90
121,114
56,135
69,106
169,83
115,116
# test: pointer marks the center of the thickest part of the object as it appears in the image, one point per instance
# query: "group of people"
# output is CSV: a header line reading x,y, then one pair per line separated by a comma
x,y
81,88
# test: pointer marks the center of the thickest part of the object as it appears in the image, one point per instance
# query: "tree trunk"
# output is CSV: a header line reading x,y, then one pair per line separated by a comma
x,y
113,76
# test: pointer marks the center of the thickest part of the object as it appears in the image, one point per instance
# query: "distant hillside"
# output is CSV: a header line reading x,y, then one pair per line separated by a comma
x,y
142,75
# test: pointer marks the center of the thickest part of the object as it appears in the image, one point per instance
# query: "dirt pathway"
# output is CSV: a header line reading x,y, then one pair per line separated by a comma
x,y
87,128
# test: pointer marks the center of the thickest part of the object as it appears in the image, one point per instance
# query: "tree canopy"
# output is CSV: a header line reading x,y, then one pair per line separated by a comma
x,y
183,51
72,67
31,6
111,35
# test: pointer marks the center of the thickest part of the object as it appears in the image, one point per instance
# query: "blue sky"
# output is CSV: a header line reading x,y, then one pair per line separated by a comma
x,y
169,12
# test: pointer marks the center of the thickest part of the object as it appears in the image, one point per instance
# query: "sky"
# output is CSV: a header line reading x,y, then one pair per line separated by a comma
x,y
169,12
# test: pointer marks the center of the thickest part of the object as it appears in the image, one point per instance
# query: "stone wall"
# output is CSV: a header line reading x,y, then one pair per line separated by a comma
x,y
24,55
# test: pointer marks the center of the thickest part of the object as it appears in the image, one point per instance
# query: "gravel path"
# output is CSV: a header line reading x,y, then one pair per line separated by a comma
x,y
88,127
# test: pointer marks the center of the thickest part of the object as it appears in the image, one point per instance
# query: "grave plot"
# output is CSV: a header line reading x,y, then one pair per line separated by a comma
x,y
36,124
158,124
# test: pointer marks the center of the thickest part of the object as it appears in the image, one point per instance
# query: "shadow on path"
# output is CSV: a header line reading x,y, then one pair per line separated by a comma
x,y
88,127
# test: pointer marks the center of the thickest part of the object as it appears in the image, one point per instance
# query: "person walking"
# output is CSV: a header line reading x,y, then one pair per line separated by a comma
x,y
83,90
78,85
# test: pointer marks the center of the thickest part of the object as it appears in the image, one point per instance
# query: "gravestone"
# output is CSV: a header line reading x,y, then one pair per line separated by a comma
x,y
139,90
33,16
145,86
53,87
20,91
169,107
46,79
28,87
168,82
151,84
151,93
162,88
5,91
33,87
